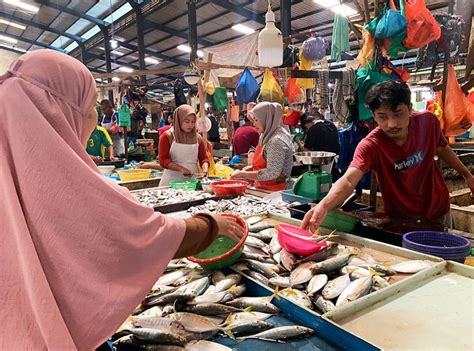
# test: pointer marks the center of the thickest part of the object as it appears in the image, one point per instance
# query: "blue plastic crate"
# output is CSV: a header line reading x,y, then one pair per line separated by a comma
x,y
289,196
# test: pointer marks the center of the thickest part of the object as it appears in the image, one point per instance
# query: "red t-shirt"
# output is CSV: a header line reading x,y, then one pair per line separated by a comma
x,y
245,137
408,177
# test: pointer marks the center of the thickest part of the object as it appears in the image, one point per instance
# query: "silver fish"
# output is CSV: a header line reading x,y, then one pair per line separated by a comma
x,y
209,298
288,260
281,333
167,310
155,311
358,273
379,283
335,287
196,287
259,227
322,254
205,345
170,278
263,235
212,309
230,280
210,290
240,267
323,304
317,283
277,257
171,298
194,322
255,250
245,317
256,257
254,242
259,277
248,328
275,246
331,264
217,276
297,296
157,323
158,336
302,274
377,267
413,266
253,220
355,290
259,304
266,269
282,282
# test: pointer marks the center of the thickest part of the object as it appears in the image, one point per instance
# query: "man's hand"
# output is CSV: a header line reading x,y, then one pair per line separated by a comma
x,y
97,159
465,124
470,184
112,158
314,217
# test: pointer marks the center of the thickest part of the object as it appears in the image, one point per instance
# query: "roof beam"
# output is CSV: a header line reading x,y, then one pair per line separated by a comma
x,y
34,42
177,33
72,12
42,27
242,11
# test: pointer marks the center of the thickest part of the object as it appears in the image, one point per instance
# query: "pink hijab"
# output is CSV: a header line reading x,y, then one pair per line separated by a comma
x,y
78,252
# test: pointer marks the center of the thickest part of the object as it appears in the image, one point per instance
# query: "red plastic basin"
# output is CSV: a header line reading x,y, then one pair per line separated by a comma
x,y
229,187
294,244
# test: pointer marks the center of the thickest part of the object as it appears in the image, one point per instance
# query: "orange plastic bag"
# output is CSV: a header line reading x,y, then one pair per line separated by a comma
x,y
458,111
422,27
293,91
366,54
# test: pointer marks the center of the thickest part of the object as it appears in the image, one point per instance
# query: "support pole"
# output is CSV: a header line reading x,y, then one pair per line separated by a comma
x,y
141,42
83,54
285,17
192,29
108,62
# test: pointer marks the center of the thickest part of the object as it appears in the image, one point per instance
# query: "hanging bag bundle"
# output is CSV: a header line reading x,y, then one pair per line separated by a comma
x,y
390,24
270,90
219,99
422,27
247,88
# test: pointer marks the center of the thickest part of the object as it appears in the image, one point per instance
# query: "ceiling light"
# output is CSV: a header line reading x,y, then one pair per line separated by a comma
x,y
186,48
117,52
8,39
126,69
13,48
13,24
113,44
152,60
192,76
242,29
116,79
22,5
335,6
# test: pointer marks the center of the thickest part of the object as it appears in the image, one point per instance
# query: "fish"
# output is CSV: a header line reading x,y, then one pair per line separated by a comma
x,y
155,311
245,317
379,268
157,323
379,283
281,333
413,266
170,278
205,345
255,250
288,260
154,347
248,328
335,287
194,323
275,246
211,309
282,282
323,304
331,264
259,277
209,298
254,242
196,287
264,235
210,290
268,270
126,340
167,310
171,298
259,227
297,296
302,274
162,289
240,267
158,336
258,304
217,276
229,281
321,255
355,290
256,257
253,220
316,283
277,257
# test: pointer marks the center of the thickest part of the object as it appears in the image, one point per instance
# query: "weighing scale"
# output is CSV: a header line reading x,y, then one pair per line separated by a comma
x,y
315,183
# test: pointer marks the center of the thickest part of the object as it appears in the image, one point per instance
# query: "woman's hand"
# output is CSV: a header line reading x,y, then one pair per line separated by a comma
x,y
186,172
97,159
143,165
112,158
229,227
314,218
238,175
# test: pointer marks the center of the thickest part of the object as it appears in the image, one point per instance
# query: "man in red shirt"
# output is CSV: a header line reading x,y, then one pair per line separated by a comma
x,y
401,151
245,138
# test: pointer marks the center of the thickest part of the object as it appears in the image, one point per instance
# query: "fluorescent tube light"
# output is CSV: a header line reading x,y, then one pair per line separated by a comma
x,y
126,69
152,60
13,24
8,39
22,5
242,29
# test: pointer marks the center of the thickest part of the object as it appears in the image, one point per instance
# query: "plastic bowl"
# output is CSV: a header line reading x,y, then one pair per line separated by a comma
x,y
440,244
295,245
106,170
134,174
223,251
186,184
229,187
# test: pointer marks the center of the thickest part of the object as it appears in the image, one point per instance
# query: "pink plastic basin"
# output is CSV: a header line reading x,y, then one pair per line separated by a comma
x,y
294,244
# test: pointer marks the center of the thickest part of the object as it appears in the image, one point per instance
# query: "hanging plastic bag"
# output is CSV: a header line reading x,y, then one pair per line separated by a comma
x,y
305,65
458,111
247,88
422,27
390,24
435,108
291,118
270,90
294,93
366,54
219,99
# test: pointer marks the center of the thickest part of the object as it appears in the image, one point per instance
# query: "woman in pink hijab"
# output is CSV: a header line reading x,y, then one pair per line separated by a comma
x,y
78,252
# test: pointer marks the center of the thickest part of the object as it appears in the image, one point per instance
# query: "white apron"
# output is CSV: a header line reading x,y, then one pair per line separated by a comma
x,y
185,155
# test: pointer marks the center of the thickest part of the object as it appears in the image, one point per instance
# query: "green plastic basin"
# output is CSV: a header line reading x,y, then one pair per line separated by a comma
x,y
340,221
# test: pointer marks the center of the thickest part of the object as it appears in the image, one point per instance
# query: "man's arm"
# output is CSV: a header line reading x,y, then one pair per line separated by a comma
x,y
450,158
336,196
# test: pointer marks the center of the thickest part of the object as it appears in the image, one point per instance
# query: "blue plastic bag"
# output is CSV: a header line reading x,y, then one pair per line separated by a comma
x,y
391,24
247,88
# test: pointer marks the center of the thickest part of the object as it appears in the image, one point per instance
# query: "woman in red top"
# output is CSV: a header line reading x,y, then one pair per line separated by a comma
x,y
181,148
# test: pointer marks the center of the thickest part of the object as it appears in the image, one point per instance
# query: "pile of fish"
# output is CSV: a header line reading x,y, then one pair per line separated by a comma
x,y
167,196
333,276
189,305
242,206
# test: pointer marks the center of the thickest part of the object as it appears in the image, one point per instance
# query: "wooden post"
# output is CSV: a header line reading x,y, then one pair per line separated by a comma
x,y
202,93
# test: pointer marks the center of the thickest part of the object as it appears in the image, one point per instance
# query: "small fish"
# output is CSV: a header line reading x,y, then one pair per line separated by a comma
x,y
171,298
323,304
277,257
275,246
194,322
253,220
384,270
158,336
355,290
259,277
157,323
155,311
297,296
209,298
413,266
281,333
266,269
210,290
212,309
248,328
258,304
196,287
240,267
157,347
259,227
230,280
167,310
282,282
254,242
256,257
126,340
255,250
205,345
170,278
245,317
317,283
217,276
264,235
379,283
288,260
335,287
322,254
331,264
158,289
302,274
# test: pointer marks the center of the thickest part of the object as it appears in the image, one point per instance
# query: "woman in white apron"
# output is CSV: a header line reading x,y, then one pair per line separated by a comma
x,y
181,148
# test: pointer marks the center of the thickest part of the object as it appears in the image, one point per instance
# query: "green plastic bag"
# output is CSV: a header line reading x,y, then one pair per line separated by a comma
x,y
367,77
219,99
124,116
